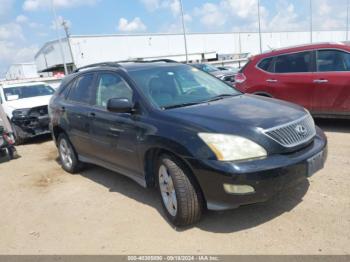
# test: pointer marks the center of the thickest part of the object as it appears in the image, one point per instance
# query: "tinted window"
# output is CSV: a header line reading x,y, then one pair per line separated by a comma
x,y
333,60
293,63
265,64
66,87
111,86
82,90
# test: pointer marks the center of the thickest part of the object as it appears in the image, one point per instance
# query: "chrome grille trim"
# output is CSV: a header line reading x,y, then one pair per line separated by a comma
x,y
287,134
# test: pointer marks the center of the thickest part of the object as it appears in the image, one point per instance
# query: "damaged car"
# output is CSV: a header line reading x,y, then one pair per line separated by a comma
x,y
26,106
225,75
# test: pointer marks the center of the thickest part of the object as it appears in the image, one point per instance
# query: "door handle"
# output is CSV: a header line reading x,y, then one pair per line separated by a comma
x,y
63,109
271,81
92,114
320,81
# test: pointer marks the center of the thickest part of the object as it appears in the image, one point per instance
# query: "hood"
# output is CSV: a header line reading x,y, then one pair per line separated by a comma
x,y
28,102
240,112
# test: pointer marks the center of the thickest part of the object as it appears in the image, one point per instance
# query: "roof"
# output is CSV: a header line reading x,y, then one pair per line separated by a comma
x,y
306,47
129,66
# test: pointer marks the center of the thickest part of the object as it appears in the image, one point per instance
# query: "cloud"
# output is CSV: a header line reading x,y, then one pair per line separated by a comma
x,y
59,23
211,15
11,31
11,53
21,19
6,7
13,46
34,5
151,5
135,25
172,5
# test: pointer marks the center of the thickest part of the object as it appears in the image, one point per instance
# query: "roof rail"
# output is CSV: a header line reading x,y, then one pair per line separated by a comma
x,y
161,60
111,64
116,64
147,61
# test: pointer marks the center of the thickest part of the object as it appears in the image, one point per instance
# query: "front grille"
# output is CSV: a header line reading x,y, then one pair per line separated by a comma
x,y
294,133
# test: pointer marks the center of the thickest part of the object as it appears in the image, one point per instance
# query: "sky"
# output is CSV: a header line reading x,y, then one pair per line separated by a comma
x,y
26,25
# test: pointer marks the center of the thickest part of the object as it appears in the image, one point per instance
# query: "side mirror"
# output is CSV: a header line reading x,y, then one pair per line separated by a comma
x,y
119,105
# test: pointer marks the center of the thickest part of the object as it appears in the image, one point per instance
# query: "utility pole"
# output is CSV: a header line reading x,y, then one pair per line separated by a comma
x,y
184,29
259,23
347,20
311,40
59,37
66,30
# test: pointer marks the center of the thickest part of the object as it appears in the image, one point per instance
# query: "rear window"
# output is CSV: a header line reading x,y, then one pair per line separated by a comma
x,y
265,64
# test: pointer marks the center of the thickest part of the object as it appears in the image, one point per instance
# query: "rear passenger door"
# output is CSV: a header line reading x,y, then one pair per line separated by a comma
x,y
114,135
291,79
332,82
76,108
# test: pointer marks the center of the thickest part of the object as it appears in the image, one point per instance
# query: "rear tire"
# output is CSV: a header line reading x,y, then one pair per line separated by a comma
x,y
68,157
180,195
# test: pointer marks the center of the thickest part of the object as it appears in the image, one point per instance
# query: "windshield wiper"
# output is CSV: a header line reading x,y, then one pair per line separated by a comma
x,y
215,98
182,105
218,97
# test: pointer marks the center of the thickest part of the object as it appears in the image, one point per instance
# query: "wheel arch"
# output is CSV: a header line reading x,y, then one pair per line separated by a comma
x,y
262,93
56,131
150,162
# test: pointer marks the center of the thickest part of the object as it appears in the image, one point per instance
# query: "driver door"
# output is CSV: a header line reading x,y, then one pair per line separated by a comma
x,y
114,135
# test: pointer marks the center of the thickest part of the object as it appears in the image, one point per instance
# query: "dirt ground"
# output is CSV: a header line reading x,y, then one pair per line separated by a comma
x,y
44,210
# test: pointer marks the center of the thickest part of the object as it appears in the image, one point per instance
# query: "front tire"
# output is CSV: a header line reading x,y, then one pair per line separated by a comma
x,y
16,133
180,195
68,157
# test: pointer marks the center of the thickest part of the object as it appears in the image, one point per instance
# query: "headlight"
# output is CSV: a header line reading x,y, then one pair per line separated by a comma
x,y
230,147
20,112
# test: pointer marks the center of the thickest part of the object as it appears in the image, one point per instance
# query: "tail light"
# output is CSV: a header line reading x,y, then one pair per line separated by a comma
x,y
240,78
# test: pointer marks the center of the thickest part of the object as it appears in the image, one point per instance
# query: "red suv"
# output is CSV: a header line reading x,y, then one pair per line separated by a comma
x,y
316,76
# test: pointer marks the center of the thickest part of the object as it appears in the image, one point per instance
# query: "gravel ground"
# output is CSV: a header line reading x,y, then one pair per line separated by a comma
x,y
44,210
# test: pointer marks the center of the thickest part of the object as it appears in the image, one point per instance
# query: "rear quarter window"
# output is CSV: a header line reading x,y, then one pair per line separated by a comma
x,y
266,64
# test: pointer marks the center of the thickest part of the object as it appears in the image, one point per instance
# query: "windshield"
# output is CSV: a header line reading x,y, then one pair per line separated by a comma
x,y
174,86
20,92
207,68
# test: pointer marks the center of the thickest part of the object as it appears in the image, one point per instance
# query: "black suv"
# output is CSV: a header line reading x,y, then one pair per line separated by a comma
x,y
168,125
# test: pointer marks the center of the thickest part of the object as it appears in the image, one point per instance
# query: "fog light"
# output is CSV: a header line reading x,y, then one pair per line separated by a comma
x,y
238,189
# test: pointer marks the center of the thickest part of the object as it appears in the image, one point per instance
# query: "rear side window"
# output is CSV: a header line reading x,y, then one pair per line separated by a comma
x,y
332,60
265,64
66,87
82,90
293,63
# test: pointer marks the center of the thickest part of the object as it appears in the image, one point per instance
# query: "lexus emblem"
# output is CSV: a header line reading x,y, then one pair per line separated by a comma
x,y
301,130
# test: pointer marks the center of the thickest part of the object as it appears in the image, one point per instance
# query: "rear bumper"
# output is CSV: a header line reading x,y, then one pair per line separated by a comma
x,y
267,176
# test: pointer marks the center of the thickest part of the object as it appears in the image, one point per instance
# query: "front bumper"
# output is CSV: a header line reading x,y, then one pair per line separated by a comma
x,y
267,176
27,127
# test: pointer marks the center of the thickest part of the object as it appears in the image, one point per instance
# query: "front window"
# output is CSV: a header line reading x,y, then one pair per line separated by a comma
x,y
20,92
111,86
333,61
176,86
